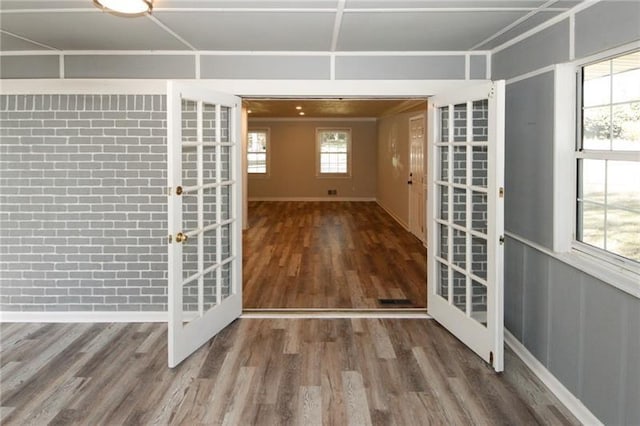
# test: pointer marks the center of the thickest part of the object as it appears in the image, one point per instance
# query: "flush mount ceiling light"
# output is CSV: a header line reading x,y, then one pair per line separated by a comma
x,y
125,7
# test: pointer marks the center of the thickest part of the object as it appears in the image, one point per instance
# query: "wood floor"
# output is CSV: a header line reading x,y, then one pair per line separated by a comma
x,y
341,255
263,372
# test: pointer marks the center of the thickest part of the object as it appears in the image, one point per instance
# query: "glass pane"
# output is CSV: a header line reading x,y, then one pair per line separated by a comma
x,y
481,120
209,123
479,212
460,206
226,161
444,202
333,163
225,124
460,123
479,257
189,123
210,290
460,165
592,226
226,207
459,291
256,162
443,280
444,162
479,302
189,300
479,166
226,249
623,208
333,141
189,257
257,141
596,133
626,127
459,249
593,185
226,275
597,84
444,124
208,164
443,239
626,78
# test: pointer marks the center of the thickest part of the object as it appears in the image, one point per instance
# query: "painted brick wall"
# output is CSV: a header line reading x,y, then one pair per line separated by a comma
x,y
82,209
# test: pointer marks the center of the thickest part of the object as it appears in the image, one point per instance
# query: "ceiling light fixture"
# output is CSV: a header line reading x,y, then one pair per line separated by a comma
x,y
298,107
249,111
301,113
125,7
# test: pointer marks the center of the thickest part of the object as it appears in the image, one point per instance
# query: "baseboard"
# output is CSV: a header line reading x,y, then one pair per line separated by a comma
x,y
565,396
313,199
120,316
335,313
393,215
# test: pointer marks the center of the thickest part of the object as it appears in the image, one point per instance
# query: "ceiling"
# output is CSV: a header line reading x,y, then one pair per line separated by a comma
x,y
330,108
266,25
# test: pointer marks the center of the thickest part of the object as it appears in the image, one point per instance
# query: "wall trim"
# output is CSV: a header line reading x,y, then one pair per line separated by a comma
x,y
302,199
309,119
84,317
619,278
573,404
394,216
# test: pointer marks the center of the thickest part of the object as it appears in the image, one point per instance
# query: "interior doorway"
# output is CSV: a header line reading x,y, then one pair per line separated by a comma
x,y
316,241
417,176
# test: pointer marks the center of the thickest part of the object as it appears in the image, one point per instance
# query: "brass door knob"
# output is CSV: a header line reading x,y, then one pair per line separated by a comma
x,y
181,238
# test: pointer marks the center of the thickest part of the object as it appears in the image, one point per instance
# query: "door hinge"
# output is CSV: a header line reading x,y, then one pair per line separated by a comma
x,y
501,239
491,358
492,92
501,192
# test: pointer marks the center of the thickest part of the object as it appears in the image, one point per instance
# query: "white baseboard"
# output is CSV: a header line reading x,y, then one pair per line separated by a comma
x,y
565,396
393,215
119,316
366,199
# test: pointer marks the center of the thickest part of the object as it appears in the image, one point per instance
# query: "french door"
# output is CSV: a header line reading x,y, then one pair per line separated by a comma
x,y
466,217
204,179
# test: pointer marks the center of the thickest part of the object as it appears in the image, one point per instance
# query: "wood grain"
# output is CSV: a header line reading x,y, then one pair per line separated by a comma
x,y
340,255
264,372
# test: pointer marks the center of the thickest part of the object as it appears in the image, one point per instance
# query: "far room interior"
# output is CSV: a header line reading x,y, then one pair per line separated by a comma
x,y
336,203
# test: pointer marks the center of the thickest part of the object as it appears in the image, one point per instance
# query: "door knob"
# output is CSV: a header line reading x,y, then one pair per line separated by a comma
x,y
181,238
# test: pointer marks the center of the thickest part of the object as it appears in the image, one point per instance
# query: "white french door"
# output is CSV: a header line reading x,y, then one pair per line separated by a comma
x,y
466,216
204,177
417,214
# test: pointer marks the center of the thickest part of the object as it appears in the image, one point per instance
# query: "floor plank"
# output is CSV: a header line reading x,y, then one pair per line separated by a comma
x,y
265,372
340,255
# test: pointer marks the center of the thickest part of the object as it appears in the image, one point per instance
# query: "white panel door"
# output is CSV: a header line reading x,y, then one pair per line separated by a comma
x,y
466,216
416,181
204,179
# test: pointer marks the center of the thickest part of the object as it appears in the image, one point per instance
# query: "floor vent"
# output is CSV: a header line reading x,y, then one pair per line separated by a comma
x,y
395,302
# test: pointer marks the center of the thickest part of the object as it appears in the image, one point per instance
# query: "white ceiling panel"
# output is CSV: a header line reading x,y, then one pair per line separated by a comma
x,y
402,4
90,31
420,31
247,4
295,31
8,42
524,26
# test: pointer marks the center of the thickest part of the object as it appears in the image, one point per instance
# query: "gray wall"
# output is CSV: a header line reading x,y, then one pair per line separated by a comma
x,y
82,209
583,330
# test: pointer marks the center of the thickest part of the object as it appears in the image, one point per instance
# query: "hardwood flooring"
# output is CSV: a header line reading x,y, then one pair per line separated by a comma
x,y
340,255
263,372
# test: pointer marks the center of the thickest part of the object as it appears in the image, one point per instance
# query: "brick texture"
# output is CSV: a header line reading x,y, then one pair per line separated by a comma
x,y
82,203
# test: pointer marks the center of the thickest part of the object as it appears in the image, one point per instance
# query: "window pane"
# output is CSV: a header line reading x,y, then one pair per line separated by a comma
x,y
257,142
626,78
596,128
333,163
626,126
333,151
597,84
257,163
623,208
593,185
592,229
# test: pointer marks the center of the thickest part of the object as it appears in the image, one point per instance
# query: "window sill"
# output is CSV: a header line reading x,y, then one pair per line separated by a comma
x,y
333,176
618,277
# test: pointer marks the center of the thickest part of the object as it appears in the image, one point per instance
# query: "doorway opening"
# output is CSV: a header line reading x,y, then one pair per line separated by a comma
x,y
333,219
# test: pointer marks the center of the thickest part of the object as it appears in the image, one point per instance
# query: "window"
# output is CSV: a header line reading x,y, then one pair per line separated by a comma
x,y
608,161
258,151
333,151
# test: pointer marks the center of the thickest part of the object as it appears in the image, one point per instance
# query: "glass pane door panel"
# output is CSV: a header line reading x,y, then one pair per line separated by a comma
x,y
443,239
442,272
444,163
460,165
459,248
479,204
459,291
479,170
479,302
444,124
443,195
460,123
480,120
460,206
479,257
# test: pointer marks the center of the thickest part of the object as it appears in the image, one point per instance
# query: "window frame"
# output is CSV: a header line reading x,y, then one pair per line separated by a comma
x,y
615,270
348,173
267,173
